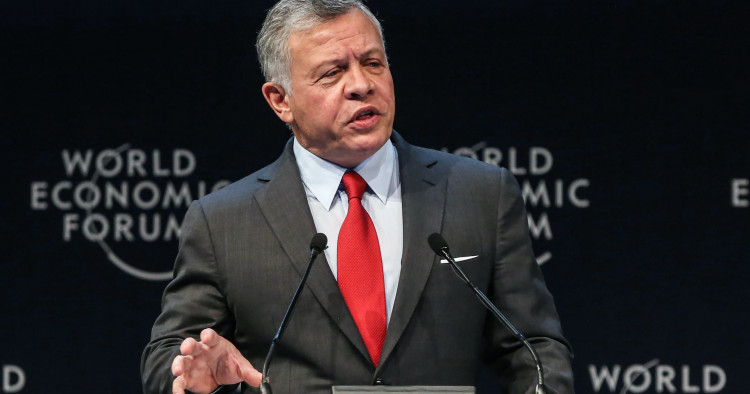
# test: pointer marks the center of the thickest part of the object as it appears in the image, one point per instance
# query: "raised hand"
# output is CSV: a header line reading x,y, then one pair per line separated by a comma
x,y
203,366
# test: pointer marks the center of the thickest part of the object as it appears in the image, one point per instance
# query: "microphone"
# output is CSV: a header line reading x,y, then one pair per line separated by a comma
x,y
440,247
318,244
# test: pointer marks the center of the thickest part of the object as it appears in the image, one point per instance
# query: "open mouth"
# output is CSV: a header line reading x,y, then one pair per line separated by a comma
x,y
364,114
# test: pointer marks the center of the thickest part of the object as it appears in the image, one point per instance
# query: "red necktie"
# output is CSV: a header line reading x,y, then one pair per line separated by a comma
x,y
360,268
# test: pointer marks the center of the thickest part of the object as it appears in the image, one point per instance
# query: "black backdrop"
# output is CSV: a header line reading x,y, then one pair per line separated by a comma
x,y
626,122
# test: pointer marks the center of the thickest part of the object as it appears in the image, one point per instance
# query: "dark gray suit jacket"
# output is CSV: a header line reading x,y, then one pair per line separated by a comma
x,y
244,248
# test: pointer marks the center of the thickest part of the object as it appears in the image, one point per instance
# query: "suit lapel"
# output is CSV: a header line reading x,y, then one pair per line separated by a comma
x,y
284,205
423,188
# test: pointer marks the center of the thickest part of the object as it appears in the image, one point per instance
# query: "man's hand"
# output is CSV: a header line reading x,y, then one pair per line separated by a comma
x,y
204,366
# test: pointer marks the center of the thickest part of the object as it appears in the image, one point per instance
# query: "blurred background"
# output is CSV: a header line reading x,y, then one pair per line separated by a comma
x,y
626,122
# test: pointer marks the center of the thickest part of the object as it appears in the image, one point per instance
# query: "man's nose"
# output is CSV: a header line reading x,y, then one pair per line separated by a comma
x,y
359,83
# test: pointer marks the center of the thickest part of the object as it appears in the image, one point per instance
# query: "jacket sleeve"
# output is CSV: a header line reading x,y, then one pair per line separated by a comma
x,y
192,301
519,290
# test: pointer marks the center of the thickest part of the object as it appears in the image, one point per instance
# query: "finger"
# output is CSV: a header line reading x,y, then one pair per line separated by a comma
x,y
180,364
250,374
210,338
179,385
190,347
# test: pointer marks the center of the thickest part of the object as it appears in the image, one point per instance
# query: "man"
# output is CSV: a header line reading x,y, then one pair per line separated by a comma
x,y
394,315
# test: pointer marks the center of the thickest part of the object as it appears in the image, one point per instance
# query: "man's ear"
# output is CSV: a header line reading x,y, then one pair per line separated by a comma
x,y
277,98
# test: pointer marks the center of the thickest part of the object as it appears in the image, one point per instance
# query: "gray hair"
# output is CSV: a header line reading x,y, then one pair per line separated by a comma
x,y
288,16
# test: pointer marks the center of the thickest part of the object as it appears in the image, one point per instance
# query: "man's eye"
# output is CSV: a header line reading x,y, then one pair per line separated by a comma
x,y
332,73
373,64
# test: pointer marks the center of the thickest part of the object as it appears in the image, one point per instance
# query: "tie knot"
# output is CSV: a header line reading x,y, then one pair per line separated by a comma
x,y
354,184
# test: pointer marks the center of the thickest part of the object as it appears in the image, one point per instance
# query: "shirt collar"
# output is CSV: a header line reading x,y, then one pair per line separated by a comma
x,y
323,178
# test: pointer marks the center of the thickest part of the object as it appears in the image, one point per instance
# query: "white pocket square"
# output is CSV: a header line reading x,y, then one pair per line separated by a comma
x,y
459,259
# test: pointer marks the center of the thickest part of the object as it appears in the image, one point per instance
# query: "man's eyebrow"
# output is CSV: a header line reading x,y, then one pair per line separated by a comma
x,y
372,51
335,61
325,64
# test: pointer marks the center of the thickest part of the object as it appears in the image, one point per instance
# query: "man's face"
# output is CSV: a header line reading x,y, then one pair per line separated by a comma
x,y
342,103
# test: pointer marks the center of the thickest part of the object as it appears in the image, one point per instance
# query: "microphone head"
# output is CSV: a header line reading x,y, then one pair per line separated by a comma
x,y
437,243
319,242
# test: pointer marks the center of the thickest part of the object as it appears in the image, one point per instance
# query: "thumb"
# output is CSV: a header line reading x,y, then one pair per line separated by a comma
x,y
250,374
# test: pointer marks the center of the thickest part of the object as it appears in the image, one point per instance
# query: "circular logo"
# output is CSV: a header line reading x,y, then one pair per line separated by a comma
x,y
126,200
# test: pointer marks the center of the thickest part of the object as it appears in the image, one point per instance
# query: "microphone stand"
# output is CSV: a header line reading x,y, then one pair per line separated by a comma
x,y
317,245
442,250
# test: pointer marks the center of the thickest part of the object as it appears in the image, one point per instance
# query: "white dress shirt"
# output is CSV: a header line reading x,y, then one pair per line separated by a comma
x,y
382,201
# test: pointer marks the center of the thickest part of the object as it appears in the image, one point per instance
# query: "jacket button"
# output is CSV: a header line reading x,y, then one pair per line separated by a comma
x,y
379,382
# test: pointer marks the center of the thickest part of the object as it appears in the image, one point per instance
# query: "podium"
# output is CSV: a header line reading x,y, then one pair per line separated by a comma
x,y
402,389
